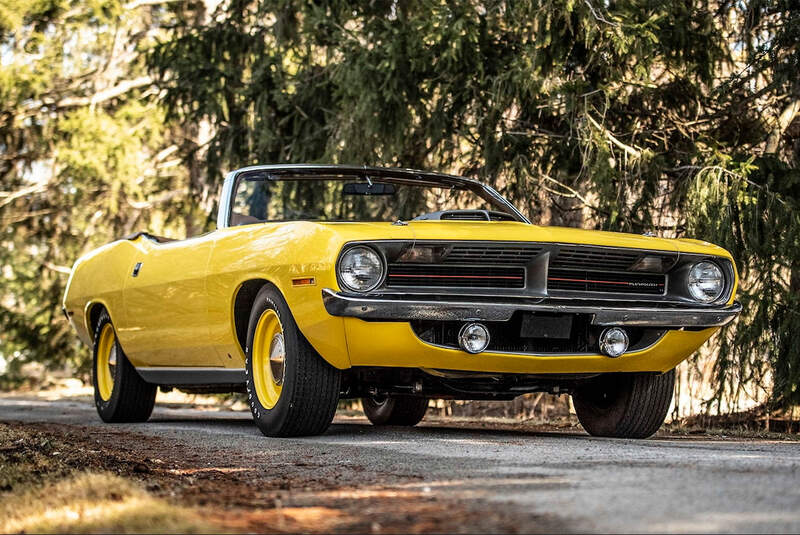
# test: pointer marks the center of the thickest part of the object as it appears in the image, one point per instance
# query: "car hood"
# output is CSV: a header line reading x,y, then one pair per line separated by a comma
x,y
514,231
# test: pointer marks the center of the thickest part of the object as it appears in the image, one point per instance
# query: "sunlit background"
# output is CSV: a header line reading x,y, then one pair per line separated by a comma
x,y
678,118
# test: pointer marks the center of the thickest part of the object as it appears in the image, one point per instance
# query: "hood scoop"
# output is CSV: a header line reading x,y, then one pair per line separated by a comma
x,y
466,215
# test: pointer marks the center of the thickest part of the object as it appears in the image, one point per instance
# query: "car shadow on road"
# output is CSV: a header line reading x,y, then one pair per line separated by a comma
x,y
449,430
361,428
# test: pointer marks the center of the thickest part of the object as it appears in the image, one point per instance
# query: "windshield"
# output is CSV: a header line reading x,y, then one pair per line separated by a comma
x,y
350,199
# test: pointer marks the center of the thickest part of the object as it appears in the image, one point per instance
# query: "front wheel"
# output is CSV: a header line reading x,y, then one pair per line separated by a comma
x,y
291,390
395,410
624,405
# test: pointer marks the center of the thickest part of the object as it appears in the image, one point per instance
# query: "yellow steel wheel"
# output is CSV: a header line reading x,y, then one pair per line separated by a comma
x,y
268,358
106,361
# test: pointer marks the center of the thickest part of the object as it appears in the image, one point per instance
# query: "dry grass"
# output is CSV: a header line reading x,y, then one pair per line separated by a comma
x,y
41,493
94,503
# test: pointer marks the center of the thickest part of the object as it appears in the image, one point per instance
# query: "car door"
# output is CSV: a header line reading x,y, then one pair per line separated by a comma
x,y
166,304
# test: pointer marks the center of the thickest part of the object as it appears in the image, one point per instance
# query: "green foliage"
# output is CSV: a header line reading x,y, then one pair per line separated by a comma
x,y
632,115
625,116
504,91
751,206
79,167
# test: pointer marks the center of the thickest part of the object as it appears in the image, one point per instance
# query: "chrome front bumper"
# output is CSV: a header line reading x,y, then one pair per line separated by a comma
x,y
408,309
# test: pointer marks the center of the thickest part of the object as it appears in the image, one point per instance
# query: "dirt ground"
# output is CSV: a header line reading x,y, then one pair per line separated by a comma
x,y
232,493
196,468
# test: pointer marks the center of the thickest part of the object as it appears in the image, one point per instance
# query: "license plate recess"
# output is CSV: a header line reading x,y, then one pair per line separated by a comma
x,y
558,326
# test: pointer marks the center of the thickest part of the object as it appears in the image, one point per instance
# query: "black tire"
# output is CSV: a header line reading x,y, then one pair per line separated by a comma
x,y
310,390
395,410
624,405
132,399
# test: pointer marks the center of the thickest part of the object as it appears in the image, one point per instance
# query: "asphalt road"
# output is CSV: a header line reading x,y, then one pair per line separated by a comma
x,y
576,482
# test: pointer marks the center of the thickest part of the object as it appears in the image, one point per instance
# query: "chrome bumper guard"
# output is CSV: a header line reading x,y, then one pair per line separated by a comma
x,y
406,310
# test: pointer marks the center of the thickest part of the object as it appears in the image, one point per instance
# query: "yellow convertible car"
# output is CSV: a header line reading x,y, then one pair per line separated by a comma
x,y
395,286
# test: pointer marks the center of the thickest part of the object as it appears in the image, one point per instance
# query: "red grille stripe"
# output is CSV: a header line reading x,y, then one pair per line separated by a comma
x,y
456,276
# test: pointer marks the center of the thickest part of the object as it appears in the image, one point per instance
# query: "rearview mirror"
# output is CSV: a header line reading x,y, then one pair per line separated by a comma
x,y
362,188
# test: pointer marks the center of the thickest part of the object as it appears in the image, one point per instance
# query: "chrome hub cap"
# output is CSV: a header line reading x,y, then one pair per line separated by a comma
x,y
277,358
112,362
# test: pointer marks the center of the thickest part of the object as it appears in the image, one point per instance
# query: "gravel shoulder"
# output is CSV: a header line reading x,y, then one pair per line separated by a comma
x,y
442,476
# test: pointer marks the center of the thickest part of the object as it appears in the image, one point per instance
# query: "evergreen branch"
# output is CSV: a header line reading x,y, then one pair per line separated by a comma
x,y
599,17
98,98
25,216
537,133
58,269
164,197
570,193
106,94
700,170
11,196
627,148
784,120
141,3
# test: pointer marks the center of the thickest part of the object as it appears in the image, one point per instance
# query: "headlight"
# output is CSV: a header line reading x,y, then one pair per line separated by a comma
x,y
706,282
360,269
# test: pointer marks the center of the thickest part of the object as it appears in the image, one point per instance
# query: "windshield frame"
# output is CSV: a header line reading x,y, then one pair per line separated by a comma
x,y
344,172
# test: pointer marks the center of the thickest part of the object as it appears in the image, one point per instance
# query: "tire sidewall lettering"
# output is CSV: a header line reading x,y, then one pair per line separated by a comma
x,y
268,417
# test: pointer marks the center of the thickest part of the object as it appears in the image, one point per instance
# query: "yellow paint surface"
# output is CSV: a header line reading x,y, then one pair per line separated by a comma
x,y
179,310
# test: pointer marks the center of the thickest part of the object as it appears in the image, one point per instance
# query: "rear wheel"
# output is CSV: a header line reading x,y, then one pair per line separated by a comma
x,y
291,390
120,394
395,410
624,405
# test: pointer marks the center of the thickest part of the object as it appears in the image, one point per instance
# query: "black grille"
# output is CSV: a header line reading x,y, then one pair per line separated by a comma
x,y
454,276
467,254
602,258
599,281
593,258
503,265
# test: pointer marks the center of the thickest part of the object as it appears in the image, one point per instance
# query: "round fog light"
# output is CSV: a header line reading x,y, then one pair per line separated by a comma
x,y
613,342
473,337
